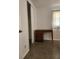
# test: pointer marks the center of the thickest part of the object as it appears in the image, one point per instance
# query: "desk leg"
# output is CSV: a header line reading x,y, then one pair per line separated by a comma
x,y
52,34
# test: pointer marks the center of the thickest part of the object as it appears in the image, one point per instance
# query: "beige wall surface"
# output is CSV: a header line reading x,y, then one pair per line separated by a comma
x,y
44,21
44,17
33,20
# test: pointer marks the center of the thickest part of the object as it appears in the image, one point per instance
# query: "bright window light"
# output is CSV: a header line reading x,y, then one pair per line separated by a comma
x,y
56,19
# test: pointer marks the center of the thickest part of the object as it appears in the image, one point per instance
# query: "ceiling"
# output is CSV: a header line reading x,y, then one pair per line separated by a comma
x,y
43,3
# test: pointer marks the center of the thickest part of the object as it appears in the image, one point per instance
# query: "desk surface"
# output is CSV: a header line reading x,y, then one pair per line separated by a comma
x,y
43,30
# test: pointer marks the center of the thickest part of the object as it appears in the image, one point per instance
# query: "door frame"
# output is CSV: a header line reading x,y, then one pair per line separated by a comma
x,y
29,23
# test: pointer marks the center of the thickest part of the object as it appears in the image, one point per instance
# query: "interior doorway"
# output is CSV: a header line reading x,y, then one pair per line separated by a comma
x,y
29,23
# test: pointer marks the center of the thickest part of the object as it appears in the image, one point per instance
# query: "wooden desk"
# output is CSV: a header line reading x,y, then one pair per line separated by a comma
x,y
38,34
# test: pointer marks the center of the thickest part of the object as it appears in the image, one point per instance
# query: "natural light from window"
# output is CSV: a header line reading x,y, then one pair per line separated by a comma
x,y
56,19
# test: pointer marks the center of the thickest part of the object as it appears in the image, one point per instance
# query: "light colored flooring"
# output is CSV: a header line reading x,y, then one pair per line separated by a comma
x,y
44,50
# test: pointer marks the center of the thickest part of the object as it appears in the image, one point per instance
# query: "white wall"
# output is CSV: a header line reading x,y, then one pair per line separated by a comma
x,y
33,18
23,37
34,21
44,20
47,36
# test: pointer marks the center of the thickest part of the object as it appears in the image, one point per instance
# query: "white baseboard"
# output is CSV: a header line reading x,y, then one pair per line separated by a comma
x,y
25,53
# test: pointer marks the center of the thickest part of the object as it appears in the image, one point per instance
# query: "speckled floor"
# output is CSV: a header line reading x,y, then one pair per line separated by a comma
x,y
44,50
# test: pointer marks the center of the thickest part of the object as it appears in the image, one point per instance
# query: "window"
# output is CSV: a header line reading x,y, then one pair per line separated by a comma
x,y
56,19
